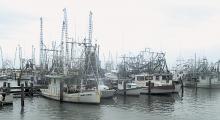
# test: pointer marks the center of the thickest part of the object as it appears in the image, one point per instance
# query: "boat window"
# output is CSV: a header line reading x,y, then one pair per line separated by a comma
x,y
49,81
170,77
140,78
54,81
128,86
164,77
119,82
148,77
157,77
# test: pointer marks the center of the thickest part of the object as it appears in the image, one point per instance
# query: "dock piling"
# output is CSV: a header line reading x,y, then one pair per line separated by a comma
x,y
9,90
182,87
124,87
31,89
4,84
149,87
61,91
19,82
26,84
22,95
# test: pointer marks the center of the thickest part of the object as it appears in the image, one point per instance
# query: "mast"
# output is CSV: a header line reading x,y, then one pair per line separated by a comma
x,y
20,56
90,30
218,71
33,55
62,49
41,44
1,56
195,67
66,36
15,56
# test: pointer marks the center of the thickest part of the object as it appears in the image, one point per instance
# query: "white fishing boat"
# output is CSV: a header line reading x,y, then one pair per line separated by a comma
x,y
78,79
105,91
74,94
3,77
156,83
200,74
128,88
202,81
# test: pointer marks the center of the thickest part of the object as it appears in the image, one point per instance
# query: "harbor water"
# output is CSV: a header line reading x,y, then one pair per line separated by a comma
x,y
200,104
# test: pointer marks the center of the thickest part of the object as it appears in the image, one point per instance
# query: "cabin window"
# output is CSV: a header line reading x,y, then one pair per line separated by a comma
x,y
157,77
140,78
119,82
148,77
170,77
129,86
54,81
164,77
49,81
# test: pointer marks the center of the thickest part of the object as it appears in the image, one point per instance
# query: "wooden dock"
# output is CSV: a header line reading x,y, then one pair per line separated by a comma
x,y
22,91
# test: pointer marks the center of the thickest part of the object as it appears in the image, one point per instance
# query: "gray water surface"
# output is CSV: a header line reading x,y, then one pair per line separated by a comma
x,y
203,104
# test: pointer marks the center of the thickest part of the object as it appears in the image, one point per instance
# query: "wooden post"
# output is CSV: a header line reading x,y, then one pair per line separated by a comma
x,y
15,76
31,90
26,83
124,87
19,82
32,78
196,84
182,87
22,95
8,88
4,84
61,90
149,87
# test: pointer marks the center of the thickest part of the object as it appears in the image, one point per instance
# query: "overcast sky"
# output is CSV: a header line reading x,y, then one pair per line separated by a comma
x,y
180,28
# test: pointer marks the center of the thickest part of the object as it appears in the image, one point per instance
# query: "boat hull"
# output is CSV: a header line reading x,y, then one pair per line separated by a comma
x,y
92,97
161,90
107,93
131,91
213,85
3,77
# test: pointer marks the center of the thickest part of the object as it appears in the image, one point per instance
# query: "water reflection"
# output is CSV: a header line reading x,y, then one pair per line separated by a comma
x,y
200,104
143,103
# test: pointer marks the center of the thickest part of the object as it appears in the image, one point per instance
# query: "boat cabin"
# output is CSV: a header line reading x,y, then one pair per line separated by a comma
x,y
129,84
142,80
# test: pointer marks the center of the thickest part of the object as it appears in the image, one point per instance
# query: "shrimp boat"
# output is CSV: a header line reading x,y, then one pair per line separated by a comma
x,y
58,89
199,74
156,83
74,78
